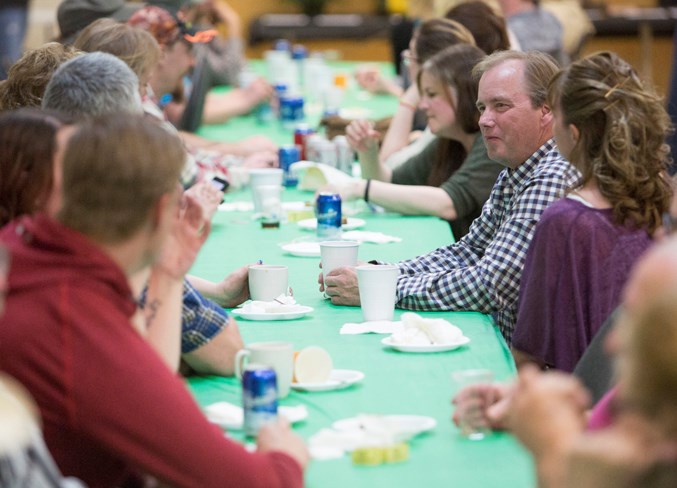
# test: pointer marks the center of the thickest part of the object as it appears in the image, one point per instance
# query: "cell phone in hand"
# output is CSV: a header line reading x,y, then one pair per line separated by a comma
x,y
220,183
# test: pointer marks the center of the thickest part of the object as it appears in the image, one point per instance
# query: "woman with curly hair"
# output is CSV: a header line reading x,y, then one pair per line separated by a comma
x,y
28,77
612,128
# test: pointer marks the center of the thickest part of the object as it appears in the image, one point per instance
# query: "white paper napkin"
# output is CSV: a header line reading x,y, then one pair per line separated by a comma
x,y
225,414
369,236
313,176
374,327
231,416
332,443
364,430
236,207
282,304
296,206
249,206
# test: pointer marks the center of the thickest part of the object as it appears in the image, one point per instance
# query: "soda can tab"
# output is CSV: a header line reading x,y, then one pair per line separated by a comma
x,y
328,213
259,397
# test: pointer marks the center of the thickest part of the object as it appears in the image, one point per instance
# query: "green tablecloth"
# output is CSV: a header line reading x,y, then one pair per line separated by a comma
x,y
356,103
395,383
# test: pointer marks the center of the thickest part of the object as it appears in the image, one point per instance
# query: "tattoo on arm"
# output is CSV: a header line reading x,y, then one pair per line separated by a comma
x,y
152,307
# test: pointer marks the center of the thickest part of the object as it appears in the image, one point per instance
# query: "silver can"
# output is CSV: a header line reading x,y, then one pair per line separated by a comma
x,y
328,153
313,143
344,155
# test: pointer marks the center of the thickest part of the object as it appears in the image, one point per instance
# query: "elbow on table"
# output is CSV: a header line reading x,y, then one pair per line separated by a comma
x,y
447,211
217,357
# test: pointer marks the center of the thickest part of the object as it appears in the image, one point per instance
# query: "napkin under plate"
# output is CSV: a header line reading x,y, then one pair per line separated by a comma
x,y
373,327
282,304
231,416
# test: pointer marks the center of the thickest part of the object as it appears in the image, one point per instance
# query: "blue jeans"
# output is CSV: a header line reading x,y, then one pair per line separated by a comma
x,y
13,21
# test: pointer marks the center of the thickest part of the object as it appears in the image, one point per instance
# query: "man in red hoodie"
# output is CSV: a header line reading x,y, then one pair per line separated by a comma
x,y
112,410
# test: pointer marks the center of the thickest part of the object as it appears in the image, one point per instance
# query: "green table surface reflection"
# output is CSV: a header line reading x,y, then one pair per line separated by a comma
x,y
356,103
395,383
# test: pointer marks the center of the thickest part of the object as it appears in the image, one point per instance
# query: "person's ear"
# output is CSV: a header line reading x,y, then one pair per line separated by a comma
x,y
164,52
157,213
575,133
547,117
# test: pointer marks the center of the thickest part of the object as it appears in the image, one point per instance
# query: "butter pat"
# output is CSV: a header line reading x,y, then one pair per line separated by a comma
x,y
373,456
312,365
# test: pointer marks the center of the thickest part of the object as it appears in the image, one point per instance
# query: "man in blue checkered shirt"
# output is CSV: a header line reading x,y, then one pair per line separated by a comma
x,y
482,271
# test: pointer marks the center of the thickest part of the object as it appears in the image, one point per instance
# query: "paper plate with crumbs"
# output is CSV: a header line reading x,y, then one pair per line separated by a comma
x,y
338,379
423,348
351,223
293,313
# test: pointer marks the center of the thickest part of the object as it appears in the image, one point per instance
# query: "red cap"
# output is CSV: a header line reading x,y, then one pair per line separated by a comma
x,y
165,28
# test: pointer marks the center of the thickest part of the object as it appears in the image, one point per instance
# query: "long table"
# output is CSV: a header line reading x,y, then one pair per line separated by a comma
x,y
356,102
395,382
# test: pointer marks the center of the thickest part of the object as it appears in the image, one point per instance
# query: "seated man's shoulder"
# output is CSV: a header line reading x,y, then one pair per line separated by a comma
x,y
553,165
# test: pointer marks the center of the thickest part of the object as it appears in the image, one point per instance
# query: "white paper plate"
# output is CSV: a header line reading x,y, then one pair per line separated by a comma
x,y
355,113
426,348
231,417
296,314
352,223
303,249
338,379
405,426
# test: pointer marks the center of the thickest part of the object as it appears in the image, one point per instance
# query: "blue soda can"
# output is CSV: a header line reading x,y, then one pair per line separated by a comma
x,y
288,155
291,110
328,213
259,397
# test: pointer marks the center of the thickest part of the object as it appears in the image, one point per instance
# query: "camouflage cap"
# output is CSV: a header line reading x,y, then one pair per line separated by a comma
x,y
165,28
